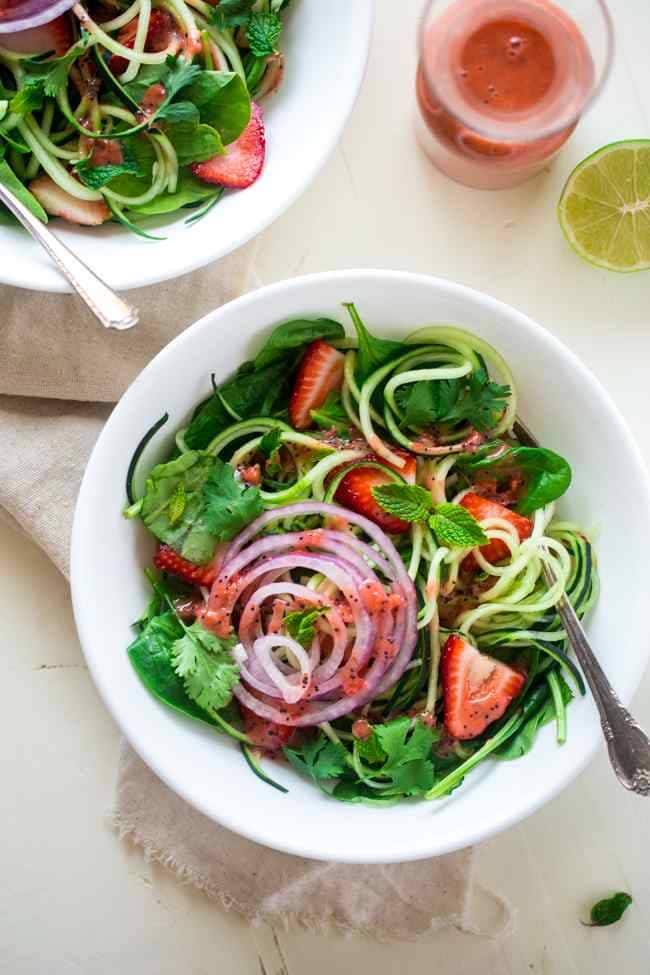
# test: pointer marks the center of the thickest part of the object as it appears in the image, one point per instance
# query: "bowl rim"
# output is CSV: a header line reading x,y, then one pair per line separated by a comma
x,y
188,259
83,616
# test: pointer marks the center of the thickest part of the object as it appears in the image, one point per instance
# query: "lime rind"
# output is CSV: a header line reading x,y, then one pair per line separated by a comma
x,y
604,209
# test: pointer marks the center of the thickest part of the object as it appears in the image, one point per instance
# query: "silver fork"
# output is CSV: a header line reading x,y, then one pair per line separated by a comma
x,y
627,743
107,306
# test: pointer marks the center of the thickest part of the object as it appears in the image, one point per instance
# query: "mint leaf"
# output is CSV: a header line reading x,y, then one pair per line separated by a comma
x,y
300,625
453,525
232,13
177,504
409,502
229,506
609,910
373,352
271,441
207,669
97,176
319,758
263,33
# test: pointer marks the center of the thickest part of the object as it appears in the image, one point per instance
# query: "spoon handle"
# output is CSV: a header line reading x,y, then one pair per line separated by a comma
x,y
110,310
627,743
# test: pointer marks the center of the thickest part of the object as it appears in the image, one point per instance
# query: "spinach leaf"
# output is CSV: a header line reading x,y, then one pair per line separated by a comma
x,y
189,191
151,656
609,910
318,758
474,399
9,179
193,141
548,475
293,335
373,352
139,150
544,712
189,535
205,665
332,414
223,102
229,505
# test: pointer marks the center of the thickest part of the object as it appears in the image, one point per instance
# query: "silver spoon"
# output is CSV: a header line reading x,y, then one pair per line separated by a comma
x,y
109,309
627,743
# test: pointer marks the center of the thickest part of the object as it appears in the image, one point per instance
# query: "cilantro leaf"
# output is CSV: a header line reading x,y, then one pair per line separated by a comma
x,y
229,506
300,625
401,744
232,13
263,32
44,79
319,758
97,176
411,778
454,525
474,399
409,502
271,441
370,750
609,910
373,352
207,669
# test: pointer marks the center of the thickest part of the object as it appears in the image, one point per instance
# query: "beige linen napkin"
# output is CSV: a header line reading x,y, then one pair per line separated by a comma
x,y
60,374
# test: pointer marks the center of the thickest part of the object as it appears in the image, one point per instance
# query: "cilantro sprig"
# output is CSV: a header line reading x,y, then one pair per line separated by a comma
x,y
205,665
301,625
474,399
452,524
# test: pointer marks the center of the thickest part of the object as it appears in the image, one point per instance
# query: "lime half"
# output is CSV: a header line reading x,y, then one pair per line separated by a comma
x,y
604,209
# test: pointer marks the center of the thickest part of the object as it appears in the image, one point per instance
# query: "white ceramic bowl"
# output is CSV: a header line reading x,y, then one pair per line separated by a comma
x,y
563,404
326,46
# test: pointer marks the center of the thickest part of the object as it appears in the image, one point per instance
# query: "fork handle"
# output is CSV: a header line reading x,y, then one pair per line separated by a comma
x,y
627,743
107,306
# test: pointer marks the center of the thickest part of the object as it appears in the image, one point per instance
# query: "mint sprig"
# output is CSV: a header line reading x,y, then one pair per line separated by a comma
x,y
452,524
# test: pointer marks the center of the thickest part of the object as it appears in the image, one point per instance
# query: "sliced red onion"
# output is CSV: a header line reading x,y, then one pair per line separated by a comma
x,y
347,664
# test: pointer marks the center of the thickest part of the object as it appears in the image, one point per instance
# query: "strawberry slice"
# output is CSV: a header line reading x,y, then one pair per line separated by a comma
x,y
320,371
56,36
168,560
265,734
355,492
482,508
477,689
241,163
161,34
58,203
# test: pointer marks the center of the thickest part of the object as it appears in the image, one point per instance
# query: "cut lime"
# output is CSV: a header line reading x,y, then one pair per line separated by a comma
x,y
604,209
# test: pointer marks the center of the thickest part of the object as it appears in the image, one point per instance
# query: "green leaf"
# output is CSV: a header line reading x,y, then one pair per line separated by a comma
x,y
453,525
232,13
319,758
140,151
403,741
271,441
189,536
370,750
409,502
294,335
189,191
230,506
29,98
192,141
206,666
373,352
609,910
411,779
332,414
263,32
97,176
300,625
9,179
474,399
43,79
223,102
174,75
177,504
547,474
523,740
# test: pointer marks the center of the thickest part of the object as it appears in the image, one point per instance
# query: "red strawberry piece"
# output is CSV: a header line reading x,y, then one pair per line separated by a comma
x,y
168,560
476,688
265,734
409,470
241,163
355,492
58,203
482,508
162,32
56,36
320,371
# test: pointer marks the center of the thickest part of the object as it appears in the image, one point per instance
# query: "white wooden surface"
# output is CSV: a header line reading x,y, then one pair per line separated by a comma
x,y
72,900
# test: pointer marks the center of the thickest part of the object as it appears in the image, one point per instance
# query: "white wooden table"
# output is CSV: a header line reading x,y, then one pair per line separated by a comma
x,y
73,900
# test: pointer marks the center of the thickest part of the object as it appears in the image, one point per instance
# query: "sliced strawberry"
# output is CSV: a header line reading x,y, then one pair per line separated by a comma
x,y
56,36
241,163
320,371
58,203
476,688
168,560
355,492
264,734
482,508
161,34
409,470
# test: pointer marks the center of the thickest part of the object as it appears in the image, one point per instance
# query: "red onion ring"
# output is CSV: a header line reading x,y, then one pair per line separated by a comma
x,y
348,663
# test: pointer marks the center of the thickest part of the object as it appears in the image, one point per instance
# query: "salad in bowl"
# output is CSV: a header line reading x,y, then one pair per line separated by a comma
x,y
348,575
119,113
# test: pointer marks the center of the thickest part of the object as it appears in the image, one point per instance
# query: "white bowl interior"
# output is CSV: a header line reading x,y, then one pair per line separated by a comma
x,y
326,47
563,404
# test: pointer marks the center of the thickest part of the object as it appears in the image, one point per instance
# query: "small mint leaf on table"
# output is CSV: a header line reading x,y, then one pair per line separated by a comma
x,y
609,911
